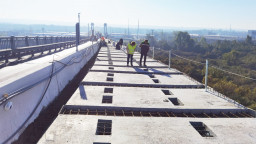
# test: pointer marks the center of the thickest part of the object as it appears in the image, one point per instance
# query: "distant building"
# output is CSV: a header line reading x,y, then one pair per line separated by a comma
x,y
252,33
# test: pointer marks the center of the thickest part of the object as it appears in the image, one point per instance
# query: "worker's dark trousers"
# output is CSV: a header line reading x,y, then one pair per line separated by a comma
x,y
145,58
129,56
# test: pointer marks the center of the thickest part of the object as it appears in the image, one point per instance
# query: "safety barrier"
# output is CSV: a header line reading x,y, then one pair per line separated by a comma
x,y
14,42
6,54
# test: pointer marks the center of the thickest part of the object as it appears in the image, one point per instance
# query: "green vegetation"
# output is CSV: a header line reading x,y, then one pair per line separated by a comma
x,y
233,56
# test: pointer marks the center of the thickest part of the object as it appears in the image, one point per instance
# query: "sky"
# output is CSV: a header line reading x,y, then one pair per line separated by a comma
x,y
212,14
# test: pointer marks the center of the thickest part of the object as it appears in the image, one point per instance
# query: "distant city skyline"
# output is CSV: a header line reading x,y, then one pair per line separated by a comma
x,y
211,14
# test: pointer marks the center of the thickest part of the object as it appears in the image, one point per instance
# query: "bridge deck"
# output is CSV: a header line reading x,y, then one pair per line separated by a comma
x,y
117,104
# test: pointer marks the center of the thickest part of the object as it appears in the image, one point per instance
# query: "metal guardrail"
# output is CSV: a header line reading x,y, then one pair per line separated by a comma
x,y
25,41
6,54
15,42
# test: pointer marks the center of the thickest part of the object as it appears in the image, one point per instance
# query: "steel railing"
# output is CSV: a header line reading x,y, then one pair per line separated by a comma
x,y
14,42
17,53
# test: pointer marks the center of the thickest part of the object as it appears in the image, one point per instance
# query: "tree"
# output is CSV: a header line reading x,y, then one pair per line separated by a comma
x,y
203,43
163,45
248,40
151,39
231,57
183,41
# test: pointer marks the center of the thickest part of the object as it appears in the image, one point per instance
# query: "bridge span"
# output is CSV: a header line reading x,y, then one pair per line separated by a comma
x,y
119,104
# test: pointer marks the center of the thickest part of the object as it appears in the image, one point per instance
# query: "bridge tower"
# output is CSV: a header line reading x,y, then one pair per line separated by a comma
x,y
92,28
105,30
88,29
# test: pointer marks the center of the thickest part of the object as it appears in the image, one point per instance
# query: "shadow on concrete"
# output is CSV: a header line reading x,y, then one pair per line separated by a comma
x,y
158,71
82,92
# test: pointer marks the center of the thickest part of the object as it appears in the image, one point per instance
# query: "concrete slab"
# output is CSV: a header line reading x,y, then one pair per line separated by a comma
x,y
135,69
112,58
129,68
79,128
120,56
102,62
122,59
150,130
140,79
162,70
124,63
149,98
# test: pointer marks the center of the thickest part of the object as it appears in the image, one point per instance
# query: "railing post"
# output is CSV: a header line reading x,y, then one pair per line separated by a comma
x,y
51,39
26,41
45,41
92,49
170,56
206,75
37,40
12,42
77,35
153,52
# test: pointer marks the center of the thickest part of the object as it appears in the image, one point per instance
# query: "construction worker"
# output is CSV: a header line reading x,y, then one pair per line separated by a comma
x,y
144,50
119,44
121,41
130,51
103,42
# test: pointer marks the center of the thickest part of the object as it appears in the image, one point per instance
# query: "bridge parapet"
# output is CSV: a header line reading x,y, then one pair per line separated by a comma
x,y
14,42
22,46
